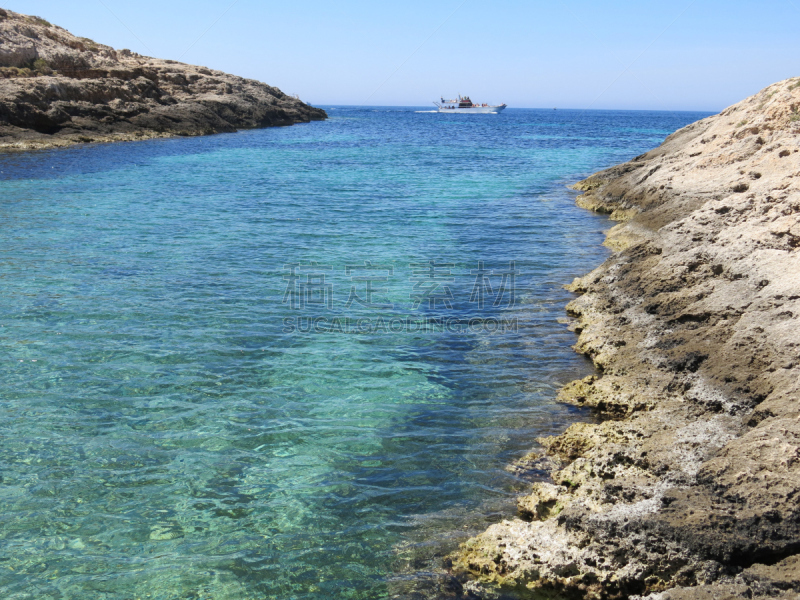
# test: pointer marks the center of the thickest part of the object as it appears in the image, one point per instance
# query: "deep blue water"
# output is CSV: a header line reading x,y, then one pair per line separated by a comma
x,y
191,407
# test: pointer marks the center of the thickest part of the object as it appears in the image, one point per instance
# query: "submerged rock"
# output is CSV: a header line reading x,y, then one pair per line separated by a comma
x,y
691,487
57,89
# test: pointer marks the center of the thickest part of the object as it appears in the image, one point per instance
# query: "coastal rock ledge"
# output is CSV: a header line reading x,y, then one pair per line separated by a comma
x,y
57,89
688,486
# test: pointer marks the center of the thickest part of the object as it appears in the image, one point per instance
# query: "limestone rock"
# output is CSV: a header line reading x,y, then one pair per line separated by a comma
x,y
57,89
689,487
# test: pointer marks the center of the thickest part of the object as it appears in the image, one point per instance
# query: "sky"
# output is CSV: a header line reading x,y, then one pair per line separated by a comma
x,y
649,55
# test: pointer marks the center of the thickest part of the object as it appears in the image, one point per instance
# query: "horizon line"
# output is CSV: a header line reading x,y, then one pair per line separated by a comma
x,y
711,112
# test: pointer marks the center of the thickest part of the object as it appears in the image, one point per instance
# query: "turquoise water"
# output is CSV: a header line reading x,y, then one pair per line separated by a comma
x,y
187,413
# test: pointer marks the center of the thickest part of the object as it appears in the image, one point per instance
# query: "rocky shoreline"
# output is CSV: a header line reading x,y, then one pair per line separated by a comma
x,y
688,485
57,89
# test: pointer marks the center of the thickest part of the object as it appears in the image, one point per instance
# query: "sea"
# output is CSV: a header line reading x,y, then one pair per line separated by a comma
x,y
288,363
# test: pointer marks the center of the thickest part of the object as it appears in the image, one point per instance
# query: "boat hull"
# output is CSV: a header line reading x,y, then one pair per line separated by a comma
x,y
475,110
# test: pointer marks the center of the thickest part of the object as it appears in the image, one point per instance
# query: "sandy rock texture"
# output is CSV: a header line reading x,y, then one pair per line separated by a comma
x,y
57,89
688,485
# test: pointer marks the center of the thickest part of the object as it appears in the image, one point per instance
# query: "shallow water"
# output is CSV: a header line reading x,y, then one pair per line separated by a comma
x,y
186,415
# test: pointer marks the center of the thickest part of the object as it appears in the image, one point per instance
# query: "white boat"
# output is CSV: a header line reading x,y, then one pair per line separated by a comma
x,y
463,105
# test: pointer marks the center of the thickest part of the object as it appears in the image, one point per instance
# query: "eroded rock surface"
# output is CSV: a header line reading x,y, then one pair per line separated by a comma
x,y
689,487
57,89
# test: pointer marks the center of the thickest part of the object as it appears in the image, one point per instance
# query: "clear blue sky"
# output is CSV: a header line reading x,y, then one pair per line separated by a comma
x,y
682,55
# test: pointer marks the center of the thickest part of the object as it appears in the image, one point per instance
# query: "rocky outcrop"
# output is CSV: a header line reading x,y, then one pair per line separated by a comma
x,y
688,486
58,89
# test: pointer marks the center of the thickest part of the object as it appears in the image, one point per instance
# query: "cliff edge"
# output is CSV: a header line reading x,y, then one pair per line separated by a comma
x,y
57,89
688,486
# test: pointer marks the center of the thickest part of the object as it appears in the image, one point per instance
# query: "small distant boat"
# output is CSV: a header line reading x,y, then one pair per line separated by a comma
x,y
464,105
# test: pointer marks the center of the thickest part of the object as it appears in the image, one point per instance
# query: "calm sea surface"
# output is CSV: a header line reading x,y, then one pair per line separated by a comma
x,y
289,363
